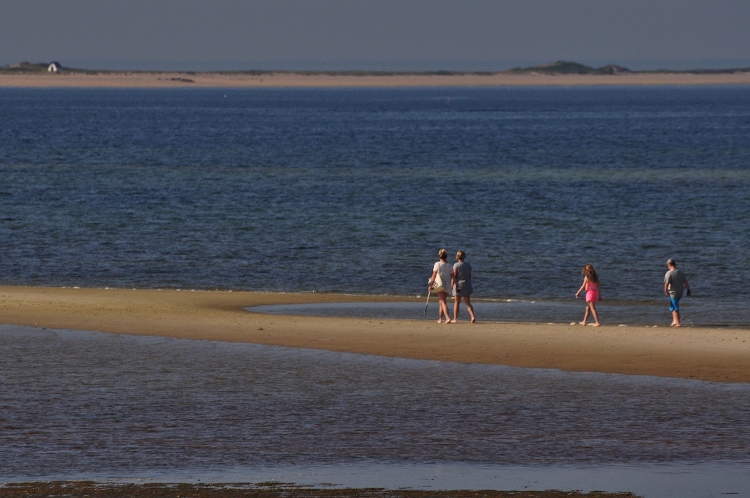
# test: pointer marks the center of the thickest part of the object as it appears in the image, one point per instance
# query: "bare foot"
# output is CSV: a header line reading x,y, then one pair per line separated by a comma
x,y
676,325
597,325
453,321
440,320
581,323
473,320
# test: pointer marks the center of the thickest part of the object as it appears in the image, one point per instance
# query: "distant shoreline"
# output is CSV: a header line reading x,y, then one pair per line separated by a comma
x,y
283,79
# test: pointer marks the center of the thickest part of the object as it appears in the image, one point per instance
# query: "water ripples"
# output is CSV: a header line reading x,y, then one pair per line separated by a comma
x,y
76,403
356,190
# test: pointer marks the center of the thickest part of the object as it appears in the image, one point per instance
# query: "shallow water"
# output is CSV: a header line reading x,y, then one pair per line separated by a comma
x,y
649,481
694,312
90,404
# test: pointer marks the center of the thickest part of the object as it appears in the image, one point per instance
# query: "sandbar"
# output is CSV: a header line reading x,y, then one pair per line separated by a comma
x,y
145,79
712,354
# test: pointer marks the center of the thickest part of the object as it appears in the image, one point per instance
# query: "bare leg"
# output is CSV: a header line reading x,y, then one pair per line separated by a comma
x,y
444,306
456,302
676,319
592,305
470,308
585,316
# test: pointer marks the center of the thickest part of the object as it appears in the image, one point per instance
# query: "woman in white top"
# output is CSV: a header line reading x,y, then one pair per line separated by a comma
x,y
444,270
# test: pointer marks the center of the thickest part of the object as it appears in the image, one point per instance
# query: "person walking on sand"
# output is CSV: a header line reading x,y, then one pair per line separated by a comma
x,y
593,293
439,281
674,285
461,279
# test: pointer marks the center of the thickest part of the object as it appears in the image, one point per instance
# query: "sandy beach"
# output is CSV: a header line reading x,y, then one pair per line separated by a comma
x,y
719,354
322,80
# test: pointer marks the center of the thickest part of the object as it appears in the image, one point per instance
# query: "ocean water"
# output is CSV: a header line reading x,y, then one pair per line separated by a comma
x,y
343,190
92,405
339,190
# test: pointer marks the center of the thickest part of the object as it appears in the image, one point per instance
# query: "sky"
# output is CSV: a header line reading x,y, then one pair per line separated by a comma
x,y
397,35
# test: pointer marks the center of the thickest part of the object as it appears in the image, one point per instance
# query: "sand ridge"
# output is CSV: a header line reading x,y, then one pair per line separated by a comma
x,y
145,79
714,354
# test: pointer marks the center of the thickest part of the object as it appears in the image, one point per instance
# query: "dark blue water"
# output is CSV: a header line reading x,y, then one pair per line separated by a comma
x,y
356,190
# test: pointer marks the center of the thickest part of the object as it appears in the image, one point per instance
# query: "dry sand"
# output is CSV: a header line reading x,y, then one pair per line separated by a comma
x,y
718,354
298,80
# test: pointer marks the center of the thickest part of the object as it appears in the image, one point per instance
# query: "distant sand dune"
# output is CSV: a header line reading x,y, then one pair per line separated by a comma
x,y
302,80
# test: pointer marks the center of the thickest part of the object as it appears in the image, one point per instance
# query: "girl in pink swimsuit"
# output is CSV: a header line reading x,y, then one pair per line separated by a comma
x,y
593,293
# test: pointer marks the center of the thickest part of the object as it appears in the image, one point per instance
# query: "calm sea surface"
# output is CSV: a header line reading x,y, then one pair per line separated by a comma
x,y
338,190
82,404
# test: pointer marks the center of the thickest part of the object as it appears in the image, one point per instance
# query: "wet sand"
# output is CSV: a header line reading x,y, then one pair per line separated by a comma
x,y
713,354
261,490
301,80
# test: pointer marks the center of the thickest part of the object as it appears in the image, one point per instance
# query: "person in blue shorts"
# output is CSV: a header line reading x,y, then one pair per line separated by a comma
x,y
674,285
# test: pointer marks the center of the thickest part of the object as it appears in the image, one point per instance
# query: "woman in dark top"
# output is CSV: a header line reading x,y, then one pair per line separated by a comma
x,y
461,278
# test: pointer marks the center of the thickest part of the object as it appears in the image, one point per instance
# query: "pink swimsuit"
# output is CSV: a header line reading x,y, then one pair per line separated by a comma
x,y
592,294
